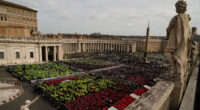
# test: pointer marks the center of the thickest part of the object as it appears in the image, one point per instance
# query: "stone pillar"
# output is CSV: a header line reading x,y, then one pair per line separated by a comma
x,y
73,49
54,53
76,47
112,47
97,46
83,46
40,53
60,53
103,46
79,47
117,48
128,49
133,47
87,47
93,47
90,47
121,47
69,47
46,54
107,47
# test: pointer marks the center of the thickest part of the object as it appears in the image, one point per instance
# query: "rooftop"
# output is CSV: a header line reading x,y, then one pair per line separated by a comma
x,y
16,5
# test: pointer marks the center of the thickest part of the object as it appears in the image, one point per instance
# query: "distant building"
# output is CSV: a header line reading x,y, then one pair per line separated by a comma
x,y
17,20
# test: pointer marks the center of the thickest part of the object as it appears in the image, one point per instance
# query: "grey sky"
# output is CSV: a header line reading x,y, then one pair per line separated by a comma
x,y
119,17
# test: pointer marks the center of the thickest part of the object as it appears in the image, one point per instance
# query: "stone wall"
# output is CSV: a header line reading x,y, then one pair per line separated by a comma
x,y
22,51
158,98
16,53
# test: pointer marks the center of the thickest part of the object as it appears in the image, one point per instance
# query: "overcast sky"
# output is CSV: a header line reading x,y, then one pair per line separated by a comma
x,y
118,17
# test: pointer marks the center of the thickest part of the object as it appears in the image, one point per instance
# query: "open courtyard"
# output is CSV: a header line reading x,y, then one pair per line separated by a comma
x,y
91,80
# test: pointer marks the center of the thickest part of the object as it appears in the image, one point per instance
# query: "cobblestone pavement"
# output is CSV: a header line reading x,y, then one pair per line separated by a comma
x,y
28,94
7,91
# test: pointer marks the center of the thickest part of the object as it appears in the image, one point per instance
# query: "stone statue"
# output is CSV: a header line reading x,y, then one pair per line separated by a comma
x,y
28,103
178,40
177,51
26,106
194,47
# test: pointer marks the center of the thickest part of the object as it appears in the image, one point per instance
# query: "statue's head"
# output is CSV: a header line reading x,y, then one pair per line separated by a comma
x,y
181,6
27,102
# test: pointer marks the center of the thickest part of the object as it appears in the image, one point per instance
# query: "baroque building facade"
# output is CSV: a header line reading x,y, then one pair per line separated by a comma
x,y
17,20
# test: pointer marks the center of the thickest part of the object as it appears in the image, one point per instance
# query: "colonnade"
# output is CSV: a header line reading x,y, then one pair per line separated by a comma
x,y
71,48
54,51
99,47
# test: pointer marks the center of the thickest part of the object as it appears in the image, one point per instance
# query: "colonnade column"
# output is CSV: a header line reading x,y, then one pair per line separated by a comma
x,y
46,54
60,52
79,47
133,46
90,47
102,46
40,53
128,48
84,46
124,47
111,48
115,49
54,53
106,49
66,50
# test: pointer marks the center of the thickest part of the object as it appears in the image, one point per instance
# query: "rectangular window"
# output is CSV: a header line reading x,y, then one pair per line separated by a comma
x,y
14,11
31,55
23,12
15,30
8,30
1,55
8,10
17,55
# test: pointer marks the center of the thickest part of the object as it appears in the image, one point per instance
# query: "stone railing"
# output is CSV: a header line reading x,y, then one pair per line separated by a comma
x,y
34,39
